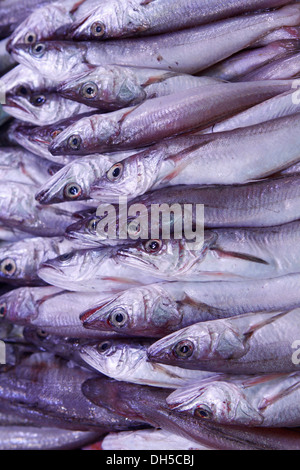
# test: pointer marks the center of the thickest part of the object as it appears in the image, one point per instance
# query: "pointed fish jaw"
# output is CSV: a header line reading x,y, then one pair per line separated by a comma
x,y
18,306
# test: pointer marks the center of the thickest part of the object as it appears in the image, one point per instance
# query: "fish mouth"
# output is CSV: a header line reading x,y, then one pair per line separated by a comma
x,y
88,317
12,103
39,140
134,259
74,30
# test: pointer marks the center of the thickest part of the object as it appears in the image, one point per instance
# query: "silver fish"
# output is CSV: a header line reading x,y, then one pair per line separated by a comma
x,y
128,18
190,51
268,400
280,69
161,117
113,87
127,361
162,308
254,343
235,157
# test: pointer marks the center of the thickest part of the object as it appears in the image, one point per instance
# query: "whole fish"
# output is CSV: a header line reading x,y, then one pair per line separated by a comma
x,y
283,68
161,309
147,439
73,181
49,21
268,400
233,157
31,438
115,19
113,87
285,104
21,260
48,390
236,67
19,209
225,254
149,404
127,360
92,270
162,117
43,109
191,50
254,343
21,166
53,311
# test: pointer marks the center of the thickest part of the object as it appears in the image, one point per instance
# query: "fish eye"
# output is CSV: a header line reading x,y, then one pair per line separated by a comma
x,y
66,257
22,91
92,225
72,191
153,246
98,29
38,50
38,100
3,310
41,334
118,318
203,412
55,133
115,172
102,347
30,38
74,142
8,267
89,90
183,349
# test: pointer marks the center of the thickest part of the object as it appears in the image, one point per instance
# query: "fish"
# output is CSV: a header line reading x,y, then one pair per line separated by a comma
x,y
39,438
90,271
21,260
114,19
190,51
25,82
238,66
126,360
149,404
7,62
147,439
258,401
113,87
160,309
74,180
253,343
233,157
281,69
18,209
21,166
43,109
162,117
48,390
51,310
285,33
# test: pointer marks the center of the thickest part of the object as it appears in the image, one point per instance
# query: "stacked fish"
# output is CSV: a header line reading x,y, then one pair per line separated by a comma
x,y
140,341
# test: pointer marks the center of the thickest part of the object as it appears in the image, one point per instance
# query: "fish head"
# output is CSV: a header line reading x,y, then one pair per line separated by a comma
x,y
53,59
218,401
85,87
130,177
114,19
14,265
85,136
18,306
39,26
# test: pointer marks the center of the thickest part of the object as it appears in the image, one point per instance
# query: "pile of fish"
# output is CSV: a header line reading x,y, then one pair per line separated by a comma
x,y
141,341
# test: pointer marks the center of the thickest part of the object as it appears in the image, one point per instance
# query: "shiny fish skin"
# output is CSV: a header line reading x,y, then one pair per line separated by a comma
x,y
236,254
7,62
163,117
280,69
255,343
30,438
127,361
149,404
267,401
178,51
161,309
285,33
235,157
116,87
135,17
24,77
50,309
